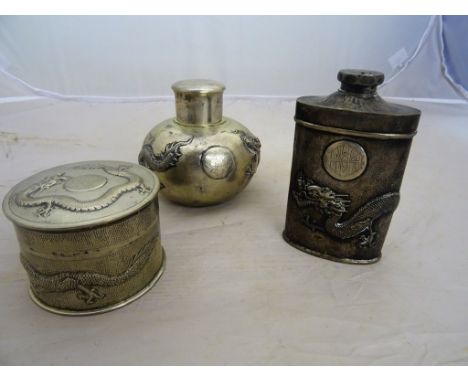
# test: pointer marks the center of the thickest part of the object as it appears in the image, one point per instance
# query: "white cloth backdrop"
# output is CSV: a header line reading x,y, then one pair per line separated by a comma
x,y
234,292
139,57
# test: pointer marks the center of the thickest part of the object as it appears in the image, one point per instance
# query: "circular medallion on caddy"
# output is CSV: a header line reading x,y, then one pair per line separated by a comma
x,y
218,162
344,160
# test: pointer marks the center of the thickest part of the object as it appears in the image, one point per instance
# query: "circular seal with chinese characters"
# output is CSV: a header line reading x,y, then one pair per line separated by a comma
x,y
344,160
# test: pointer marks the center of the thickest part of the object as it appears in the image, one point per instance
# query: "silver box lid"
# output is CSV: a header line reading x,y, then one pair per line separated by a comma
x,y
79,195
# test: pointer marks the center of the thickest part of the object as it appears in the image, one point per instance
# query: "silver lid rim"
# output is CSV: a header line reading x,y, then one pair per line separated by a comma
x,y
203,87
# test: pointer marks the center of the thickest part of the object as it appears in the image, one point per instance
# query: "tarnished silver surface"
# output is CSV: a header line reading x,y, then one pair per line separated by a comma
x,y
332,206
350,153
354,133
88,234
201,157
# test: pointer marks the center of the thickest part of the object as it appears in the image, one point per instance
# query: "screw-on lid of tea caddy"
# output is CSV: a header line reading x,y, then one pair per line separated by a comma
x,y
357,106
82,194
199,102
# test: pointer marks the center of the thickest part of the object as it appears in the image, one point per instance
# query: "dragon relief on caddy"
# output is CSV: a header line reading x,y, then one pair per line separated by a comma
x,y
86,284
166,159
252,145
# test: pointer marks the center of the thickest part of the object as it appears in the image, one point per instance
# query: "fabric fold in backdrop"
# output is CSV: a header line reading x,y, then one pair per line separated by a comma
x,y
439,59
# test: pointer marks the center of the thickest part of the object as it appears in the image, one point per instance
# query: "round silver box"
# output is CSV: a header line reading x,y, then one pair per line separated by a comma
x,y
88,234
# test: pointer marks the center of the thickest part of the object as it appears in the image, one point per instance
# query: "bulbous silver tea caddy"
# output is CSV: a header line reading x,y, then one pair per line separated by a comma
x,y
350,153
200,157
88,234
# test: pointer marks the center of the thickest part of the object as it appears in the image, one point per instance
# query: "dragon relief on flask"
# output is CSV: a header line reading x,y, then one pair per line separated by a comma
x,y
332,206
349,156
